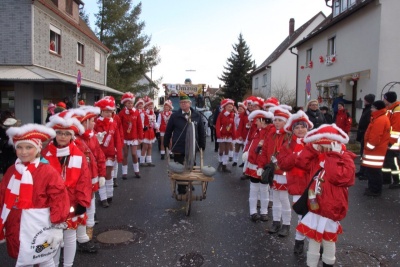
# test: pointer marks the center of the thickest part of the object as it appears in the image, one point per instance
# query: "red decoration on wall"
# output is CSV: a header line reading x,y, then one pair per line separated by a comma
x,y
310,64
321,59
302,67
319,99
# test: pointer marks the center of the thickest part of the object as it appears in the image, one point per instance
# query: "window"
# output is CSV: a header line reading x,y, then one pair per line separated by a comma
x,y
265,79
256,83
55,40
332,46
68,6
308,57
97,61
55,2
80,53
341,6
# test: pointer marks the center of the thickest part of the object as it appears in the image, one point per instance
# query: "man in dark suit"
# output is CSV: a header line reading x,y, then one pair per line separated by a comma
x,y
177,127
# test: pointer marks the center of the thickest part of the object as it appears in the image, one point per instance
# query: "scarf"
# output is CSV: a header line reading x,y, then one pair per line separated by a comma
x,y
19,190
129,111
166,115
87,134
70,165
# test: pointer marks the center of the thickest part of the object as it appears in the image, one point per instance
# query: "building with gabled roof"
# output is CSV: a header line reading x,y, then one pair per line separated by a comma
x,y
279,70
44,45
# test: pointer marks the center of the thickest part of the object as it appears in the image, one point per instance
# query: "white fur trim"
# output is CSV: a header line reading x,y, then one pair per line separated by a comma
x,y
315,134
295,117
18,131
65,122
91,109
265,114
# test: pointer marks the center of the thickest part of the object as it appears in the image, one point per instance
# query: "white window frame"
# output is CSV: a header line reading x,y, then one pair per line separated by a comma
x,y
265,79
308,57
331,46
80,53
55,36
340,6
256,83
97,60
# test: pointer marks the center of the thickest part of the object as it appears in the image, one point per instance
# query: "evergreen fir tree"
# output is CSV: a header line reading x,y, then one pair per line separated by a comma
x,y
236,74
121,31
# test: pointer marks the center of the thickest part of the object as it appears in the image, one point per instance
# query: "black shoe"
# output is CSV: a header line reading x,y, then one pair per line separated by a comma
x,y
234,164
150,164
298,247
96,221
241,165
255,217
326,265
137,175
104,203
230,159
362,178
124,177
162,156
285,230
109,200
171,156
219,168
264,217
87,247
115,182
143,164
244,177
394,186
372,194
275,227
225,169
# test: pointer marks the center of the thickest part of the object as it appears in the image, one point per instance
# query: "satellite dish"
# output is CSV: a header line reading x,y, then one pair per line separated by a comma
x,y
190,147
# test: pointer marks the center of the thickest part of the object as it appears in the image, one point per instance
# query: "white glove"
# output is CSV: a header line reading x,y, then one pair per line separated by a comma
x,y
259,171
336,147
322,163
100,137
102,181
245,156
55,238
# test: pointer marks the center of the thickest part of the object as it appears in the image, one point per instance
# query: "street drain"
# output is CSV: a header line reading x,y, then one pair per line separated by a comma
x,y
346,257
191,259
121,235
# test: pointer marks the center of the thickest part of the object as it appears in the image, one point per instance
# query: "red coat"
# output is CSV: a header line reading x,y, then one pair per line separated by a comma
x,y
273,145
112,145
131,122
339,175
254,160
98,153
117,120
163,118
242,129
81,192
151,124
343,120
225,126
48,191
376,140
297,178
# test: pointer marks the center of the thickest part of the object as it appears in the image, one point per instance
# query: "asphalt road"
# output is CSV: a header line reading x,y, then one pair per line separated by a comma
x,y
219,231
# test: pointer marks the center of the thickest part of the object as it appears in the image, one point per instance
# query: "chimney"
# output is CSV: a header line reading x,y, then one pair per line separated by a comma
x,y
291,26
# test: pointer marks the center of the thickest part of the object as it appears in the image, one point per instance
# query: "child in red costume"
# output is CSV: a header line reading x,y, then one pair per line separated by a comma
x,y
133,133
325,156
110,142
63,154
139,106
241,120
225,131
255,164
89,145
162,120
297,179
37,190
149,135
281,209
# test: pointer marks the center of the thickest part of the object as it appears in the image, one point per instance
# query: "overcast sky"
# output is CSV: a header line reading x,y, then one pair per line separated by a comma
x,y
198,35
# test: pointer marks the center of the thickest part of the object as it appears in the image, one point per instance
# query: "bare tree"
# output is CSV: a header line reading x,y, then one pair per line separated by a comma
x,y
284,94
